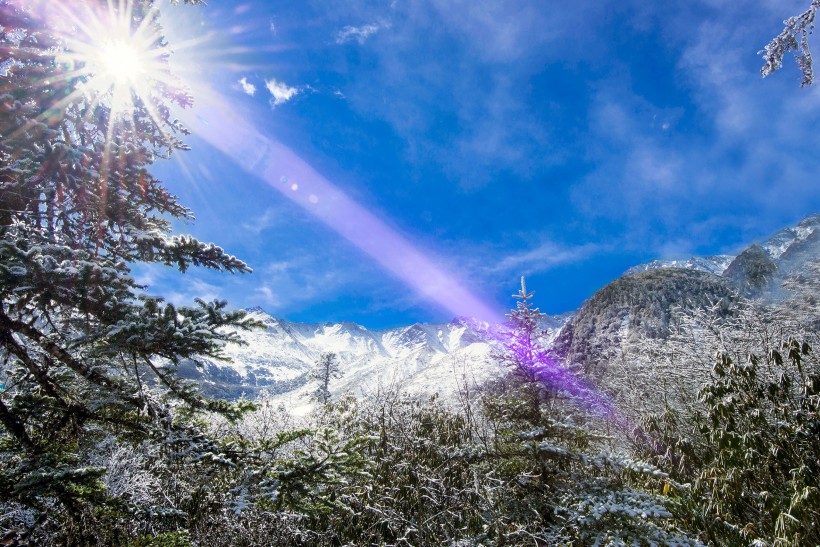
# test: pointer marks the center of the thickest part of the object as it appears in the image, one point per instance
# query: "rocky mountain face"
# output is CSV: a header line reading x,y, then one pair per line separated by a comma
x,y
640,303
752,271
637,305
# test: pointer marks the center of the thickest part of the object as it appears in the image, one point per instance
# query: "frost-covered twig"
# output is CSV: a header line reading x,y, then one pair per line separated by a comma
x,y
793,38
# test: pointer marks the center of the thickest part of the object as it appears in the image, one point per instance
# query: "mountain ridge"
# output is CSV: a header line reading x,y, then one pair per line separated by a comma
x,y
423,358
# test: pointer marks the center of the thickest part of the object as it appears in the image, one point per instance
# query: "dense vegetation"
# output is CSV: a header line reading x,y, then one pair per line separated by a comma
x,y
707,433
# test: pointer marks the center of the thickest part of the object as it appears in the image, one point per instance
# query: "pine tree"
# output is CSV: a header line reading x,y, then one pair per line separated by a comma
x,y
525,353
522,353
86,354
563,480
539,375
325,370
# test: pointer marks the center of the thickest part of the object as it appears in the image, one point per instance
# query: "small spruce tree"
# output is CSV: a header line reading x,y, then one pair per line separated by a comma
x,y
538,375
325,370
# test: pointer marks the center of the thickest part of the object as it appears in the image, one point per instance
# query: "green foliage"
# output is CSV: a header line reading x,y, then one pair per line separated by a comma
x,y
753,458
424,474
170,539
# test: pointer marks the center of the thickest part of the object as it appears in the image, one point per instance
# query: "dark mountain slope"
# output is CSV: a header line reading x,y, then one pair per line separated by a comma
x,y
640,304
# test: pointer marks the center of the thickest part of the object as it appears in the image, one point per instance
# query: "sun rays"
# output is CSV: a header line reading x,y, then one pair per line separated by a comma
x,y
119,53
110,56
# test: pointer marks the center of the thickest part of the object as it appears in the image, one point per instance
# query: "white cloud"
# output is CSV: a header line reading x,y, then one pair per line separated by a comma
x,y
506,31
280,92
360,34
146,277
302,278
268,297
246,87
261,223
544,257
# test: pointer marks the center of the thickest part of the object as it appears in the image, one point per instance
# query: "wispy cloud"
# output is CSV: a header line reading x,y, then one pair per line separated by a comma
x,y
672,190
246,87
280,92
261,223
479,91
359,34
242,8
301,278
268,296
546,256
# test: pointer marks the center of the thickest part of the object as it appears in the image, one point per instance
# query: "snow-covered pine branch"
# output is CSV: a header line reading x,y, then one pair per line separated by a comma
x,y
794,37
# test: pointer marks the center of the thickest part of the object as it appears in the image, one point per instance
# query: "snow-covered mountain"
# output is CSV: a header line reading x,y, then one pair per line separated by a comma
x,y
425,359
779,243
715,264
640,303
761,270
420,359
777,248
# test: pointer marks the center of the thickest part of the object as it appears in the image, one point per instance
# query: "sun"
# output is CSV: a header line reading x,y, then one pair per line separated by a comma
x,y
116,50
111,64
125,69
121,62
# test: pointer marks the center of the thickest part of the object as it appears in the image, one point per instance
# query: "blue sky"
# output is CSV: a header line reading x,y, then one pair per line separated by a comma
x,y
561,141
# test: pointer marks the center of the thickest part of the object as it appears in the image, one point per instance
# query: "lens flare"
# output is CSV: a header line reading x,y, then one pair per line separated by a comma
x,y
219,124
120,55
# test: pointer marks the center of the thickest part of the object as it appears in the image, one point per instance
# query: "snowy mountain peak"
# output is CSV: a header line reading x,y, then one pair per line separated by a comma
x,y
780,242
715,264
278,357
775,246
407,340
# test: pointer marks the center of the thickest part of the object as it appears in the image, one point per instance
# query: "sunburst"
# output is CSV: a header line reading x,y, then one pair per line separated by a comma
x,y
111,62
113,55
120,62
120,54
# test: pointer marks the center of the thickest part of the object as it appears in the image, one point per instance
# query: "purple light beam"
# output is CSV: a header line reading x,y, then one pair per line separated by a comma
x,y
215,121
